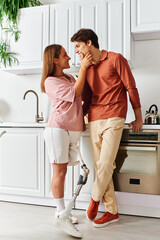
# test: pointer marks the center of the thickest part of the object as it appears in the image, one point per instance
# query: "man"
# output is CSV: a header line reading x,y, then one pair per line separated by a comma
x,y
105,100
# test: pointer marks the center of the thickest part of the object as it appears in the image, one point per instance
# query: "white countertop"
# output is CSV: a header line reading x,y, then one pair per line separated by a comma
x,y
146,126
23,124
43,124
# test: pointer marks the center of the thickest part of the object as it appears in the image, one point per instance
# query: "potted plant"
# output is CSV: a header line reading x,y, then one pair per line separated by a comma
x,y
9,14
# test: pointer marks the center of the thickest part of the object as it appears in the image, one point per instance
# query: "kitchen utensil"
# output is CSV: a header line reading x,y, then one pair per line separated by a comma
x,y
152,116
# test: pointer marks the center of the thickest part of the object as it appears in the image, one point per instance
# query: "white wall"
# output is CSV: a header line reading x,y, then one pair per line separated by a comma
x,y
147,74
12,106
12,87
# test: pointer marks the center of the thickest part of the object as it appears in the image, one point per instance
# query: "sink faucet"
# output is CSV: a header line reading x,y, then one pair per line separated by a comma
x,y
37,117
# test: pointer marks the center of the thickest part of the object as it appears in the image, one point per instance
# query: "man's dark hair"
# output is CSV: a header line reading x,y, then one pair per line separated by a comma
x,y
84,34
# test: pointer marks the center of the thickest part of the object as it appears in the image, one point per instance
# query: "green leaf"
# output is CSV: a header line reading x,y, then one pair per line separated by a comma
x,y
7,57
13,30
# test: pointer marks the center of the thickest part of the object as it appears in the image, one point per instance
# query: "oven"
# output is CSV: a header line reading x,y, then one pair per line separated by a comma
x,y
138,162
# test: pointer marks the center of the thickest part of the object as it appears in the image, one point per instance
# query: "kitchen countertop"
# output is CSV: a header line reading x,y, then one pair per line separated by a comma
x,y
43,124
23,124
146,126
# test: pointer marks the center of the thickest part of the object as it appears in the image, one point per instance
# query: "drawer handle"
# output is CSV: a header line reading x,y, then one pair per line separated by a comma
x,y
1,134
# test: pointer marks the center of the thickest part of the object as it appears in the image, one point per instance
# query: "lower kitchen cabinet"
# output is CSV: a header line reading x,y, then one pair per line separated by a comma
x,y
25,174
22,161
86,152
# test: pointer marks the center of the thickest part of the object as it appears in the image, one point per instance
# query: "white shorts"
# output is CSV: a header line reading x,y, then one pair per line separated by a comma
x,y
62,145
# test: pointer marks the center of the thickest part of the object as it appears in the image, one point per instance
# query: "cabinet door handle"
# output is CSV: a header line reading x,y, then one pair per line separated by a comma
x,y
1,134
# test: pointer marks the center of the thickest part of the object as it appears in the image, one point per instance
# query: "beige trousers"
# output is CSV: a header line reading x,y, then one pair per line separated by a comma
x,y
105,137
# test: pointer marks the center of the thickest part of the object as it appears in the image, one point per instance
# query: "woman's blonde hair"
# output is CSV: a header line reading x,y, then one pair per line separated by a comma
x,y
50,52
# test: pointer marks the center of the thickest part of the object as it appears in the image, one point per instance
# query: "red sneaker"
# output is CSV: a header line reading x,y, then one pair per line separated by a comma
x,y
91,213
106,219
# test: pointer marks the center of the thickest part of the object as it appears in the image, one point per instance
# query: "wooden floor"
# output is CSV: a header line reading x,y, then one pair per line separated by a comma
x,y
29,222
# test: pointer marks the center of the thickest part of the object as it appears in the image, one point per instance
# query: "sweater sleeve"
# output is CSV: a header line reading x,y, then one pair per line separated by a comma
x,y
60,89
127,78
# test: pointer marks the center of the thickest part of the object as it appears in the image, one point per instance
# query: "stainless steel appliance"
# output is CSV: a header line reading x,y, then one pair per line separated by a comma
x,y
152,116
138,162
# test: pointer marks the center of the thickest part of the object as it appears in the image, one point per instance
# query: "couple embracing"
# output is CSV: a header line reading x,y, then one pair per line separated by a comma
x,y
103,82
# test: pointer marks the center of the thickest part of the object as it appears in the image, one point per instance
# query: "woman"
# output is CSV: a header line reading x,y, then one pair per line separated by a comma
x,y
65,123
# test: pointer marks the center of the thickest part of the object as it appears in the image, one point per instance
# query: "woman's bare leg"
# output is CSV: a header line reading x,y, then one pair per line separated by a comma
x,y
58,179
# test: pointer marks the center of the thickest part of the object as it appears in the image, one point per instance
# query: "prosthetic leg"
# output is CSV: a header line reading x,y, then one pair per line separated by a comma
x,y
82,181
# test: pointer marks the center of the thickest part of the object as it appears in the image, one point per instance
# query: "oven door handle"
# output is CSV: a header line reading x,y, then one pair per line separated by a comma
x,y
133,148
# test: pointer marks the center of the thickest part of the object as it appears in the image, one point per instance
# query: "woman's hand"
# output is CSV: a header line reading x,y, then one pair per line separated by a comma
x,y
86,60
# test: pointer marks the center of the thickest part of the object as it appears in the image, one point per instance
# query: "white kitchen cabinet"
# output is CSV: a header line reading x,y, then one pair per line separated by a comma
x,y
110,19
48,177
115,32
86,151
22,170
34,37
62,26
72,16
145,19
22,161
56,23
88,15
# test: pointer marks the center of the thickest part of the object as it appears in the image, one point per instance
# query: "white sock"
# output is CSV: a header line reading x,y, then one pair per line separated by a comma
x,y
61,208
67,211
59,204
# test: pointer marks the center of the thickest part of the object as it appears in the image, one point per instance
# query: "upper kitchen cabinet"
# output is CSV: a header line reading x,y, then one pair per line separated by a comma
x,y
115,32
110,19
145,19
88,15
34,37
56,23
62,27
